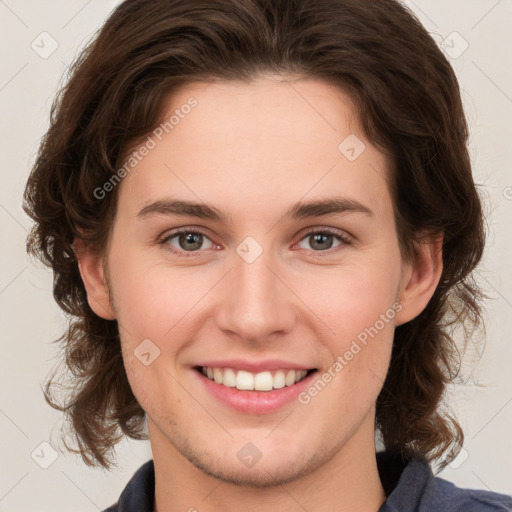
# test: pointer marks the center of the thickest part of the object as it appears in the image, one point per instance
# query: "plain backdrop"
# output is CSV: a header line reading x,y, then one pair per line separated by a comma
x,y
38,40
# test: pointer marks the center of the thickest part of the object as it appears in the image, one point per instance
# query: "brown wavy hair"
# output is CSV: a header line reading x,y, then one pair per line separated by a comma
x,y
409,104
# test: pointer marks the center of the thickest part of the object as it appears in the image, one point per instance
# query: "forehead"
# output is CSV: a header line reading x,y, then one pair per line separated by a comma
x,y
231,143
275,112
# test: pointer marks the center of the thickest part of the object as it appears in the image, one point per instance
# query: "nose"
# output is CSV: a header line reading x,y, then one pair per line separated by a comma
x,y
256,301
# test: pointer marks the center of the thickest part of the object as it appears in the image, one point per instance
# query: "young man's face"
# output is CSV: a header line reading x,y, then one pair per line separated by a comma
x,y
269,286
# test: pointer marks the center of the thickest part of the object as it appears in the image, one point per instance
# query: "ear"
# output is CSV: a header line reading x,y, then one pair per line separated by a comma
x,y
90,264
420,278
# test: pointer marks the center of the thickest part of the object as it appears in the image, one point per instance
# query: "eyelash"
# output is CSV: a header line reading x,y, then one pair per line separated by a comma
x,y
345,241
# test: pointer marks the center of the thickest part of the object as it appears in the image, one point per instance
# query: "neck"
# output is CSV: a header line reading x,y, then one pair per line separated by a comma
x,y
349,481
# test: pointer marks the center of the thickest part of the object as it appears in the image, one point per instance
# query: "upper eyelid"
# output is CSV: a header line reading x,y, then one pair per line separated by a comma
x,y
180,231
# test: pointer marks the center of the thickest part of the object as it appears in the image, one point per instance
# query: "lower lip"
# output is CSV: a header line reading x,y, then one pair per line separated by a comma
x,y
255,402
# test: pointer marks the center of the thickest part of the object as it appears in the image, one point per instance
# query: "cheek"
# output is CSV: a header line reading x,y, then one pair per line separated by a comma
x,y
351,298
151,301
357,305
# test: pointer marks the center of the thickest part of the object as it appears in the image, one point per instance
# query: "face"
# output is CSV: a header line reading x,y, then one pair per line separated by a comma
x,y
249,243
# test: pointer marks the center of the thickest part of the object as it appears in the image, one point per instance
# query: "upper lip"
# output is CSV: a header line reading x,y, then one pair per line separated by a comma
x,y
255,366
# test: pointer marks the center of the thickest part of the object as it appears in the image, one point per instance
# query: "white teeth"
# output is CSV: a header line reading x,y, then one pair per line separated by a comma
x,y
279,380
244,380
229,378
217,375
290,378
300,374
247,381
263,381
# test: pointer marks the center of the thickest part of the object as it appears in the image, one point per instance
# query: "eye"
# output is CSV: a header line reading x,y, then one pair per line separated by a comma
x,y
191,241
323,240
188,241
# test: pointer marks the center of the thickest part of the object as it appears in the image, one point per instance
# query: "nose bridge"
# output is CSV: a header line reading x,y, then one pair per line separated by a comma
x,y
256,303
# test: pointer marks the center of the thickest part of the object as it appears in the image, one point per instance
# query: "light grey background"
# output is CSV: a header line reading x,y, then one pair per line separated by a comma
x,y
30,319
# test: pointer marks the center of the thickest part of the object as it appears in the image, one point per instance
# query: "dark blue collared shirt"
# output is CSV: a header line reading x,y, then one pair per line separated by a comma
x,y
409,487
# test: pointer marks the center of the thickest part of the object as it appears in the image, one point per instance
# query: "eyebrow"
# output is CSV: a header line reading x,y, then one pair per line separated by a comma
x,y
300,210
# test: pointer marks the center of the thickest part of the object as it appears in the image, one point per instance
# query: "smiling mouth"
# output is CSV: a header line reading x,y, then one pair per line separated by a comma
x,y
248,381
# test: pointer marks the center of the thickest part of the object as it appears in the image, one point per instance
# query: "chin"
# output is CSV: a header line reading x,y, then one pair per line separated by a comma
x,y
264,474
265,470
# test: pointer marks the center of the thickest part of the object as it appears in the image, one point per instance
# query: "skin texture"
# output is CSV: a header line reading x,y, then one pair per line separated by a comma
x,y
253,150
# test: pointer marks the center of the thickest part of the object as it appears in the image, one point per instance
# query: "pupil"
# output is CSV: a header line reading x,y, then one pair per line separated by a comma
x,y
190,241
320,239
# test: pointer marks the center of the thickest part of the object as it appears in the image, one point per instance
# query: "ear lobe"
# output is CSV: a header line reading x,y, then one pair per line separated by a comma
x,y
420,278
90,265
